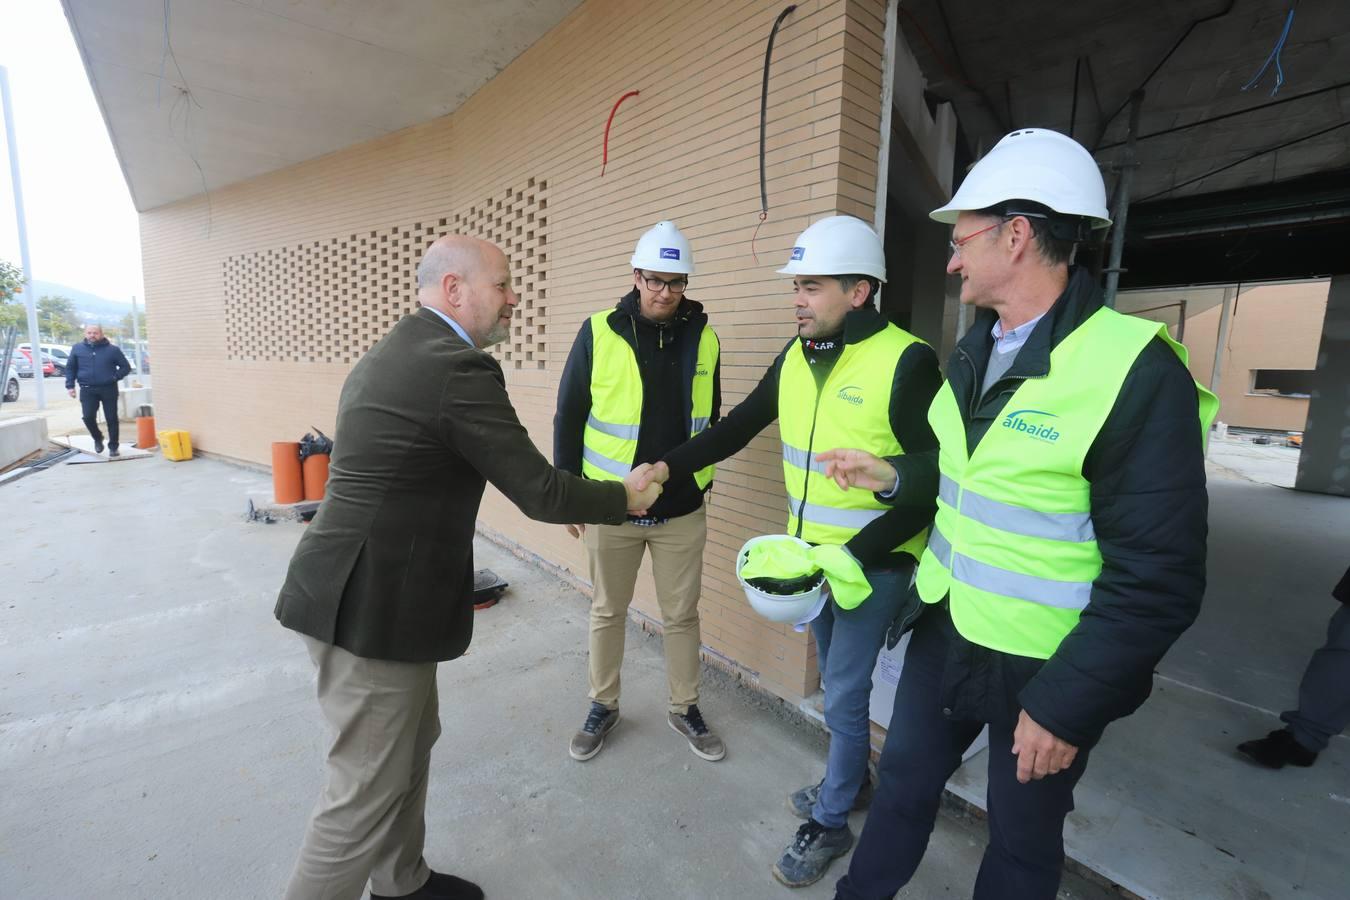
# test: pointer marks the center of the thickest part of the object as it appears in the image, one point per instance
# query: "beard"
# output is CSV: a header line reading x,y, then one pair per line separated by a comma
x,y
499,332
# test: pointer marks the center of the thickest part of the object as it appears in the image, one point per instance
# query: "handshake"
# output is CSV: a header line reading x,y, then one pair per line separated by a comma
x,y
643,486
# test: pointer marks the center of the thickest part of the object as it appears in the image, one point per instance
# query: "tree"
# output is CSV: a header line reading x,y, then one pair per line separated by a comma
x,y
56,318
11,281
128,332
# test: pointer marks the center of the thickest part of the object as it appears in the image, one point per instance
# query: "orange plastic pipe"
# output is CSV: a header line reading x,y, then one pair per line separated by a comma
x,y
316,475
288,484
145,432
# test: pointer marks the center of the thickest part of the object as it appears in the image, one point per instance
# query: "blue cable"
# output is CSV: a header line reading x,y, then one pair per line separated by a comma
x,y
1275,58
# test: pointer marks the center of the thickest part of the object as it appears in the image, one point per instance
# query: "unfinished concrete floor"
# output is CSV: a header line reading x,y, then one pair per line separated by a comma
x,y
159,736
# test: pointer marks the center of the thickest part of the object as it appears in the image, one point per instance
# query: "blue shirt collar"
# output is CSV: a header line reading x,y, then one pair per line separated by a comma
x,y
455,325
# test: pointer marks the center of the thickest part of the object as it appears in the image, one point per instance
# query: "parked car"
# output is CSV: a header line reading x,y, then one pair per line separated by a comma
x,y
48,366
59,355
11,385
22,364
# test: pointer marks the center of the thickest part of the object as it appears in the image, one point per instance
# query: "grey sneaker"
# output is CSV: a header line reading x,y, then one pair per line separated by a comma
x,y
702,741
803,801
588,741
811,852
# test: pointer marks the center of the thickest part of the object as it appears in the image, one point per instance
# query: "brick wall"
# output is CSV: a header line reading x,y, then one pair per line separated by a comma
x,y
340,231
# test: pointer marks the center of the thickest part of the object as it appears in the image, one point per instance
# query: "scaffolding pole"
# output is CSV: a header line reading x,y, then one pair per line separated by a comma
x,y
34,339
1122,210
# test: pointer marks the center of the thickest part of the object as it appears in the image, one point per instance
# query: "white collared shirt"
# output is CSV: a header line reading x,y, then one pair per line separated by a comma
x,y
459,330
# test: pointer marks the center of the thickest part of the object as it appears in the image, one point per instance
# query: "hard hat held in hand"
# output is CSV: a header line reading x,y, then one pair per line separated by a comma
x,y
1034,164
664,248
839,245
778,577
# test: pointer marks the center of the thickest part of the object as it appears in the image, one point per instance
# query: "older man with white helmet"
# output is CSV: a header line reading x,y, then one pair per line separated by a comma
x,y
1068,551
848,378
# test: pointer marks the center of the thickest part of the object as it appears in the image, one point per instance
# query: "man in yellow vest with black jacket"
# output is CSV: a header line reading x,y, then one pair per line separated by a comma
x,y
1068,551
850,377
642,378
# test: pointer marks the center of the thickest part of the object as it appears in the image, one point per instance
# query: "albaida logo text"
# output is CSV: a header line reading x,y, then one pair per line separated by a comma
x,y
1031,422
851,394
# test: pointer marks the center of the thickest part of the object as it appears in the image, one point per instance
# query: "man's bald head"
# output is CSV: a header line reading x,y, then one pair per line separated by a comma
x,y
469,280
456,254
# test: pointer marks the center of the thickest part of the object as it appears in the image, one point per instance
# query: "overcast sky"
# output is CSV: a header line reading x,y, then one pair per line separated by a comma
x,y
82,228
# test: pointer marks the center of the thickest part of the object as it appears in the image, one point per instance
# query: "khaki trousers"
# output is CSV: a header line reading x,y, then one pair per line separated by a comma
x,y
370,822
677,564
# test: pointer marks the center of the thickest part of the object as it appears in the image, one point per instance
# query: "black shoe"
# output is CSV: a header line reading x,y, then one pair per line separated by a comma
x,y
1277,750
98,445
440,887
113,451
810,853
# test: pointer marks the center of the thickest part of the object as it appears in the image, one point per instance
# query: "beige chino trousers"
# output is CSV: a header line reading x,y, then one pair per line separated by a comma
x,y
615,554
370,823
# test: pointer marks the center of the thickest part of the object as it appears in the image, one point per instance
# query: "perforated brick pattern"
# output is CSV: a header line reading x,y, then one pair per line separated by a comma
x,y
329,300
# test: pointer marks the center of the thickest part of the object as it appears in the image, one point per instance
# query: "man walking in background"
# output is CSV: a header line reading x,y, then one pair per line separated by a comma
x,y
642,378
96,364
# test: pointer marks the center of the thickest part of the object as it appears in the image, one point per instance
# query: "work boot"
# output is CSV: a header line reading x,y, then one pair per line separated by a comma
x,y
98,445
802,802
440,887
811,852
702,741
1277,750
587,742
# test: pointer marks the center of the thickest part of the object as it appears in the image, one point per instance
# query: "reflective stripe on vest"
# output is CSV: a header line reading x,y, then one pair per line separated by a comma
x,y
1013,545
612,428
851,409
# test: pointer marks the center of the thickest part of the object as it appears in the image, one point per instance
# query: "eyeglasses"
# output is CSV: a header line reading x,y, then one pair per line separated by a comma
x,y
957,243
677,286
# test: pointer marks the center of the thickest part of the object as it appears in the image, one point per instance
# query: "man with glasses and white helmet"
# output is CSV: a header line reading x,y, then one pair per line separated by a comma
x,y
1068,552
848,378
642,378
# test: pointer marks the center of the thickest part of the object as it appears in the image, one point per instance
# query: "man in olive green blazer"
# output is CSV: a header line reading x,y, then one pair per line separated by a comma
x,y
380,586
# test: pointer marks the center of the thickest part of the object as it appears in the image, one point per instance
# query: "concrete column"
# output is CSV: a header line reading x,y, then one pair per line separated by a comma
x,y
1324,464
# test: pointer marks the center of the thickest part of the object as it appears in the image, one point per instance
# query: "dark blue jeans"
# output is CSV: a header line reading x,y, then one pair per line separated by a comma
x,y
847,644
91,398
1324,694
1025,856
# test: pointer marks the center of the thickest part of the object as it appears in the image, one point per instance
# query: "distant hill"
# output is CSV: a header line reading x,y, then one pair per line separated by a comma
x,y
88,307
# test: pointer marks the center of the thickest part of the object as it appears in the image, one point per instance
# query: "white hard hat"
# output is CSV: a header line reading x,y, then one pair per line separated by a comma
x,y
791,607
1034,164
664,248
839,245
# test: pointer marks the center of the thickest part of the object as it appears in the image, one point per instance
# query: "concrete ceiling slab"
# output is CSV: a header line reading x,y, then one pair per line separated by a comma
x,y
199,94
1013,65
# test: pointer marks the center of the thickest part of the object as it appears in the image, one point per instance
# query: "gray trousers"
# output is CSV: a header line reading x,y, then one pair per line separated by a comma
x,y
1324,694
370,822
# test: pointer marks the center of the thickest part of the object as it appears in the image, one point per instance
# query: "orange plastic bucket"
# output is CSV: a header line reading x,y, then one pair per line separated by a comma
x,y
288,484
145,432
316,475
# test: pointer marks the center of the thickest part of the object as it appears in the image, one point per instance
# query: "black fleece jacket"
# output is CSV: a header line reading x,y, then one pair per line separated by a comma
x,y
1149,509
916,381
667,353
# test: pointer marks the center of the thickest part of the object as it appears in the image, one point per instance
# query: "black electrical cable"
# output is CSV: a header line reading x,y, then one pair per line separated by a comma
x,y
1106,123
763,128
764,114
1230,115
1258,154
1073,109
